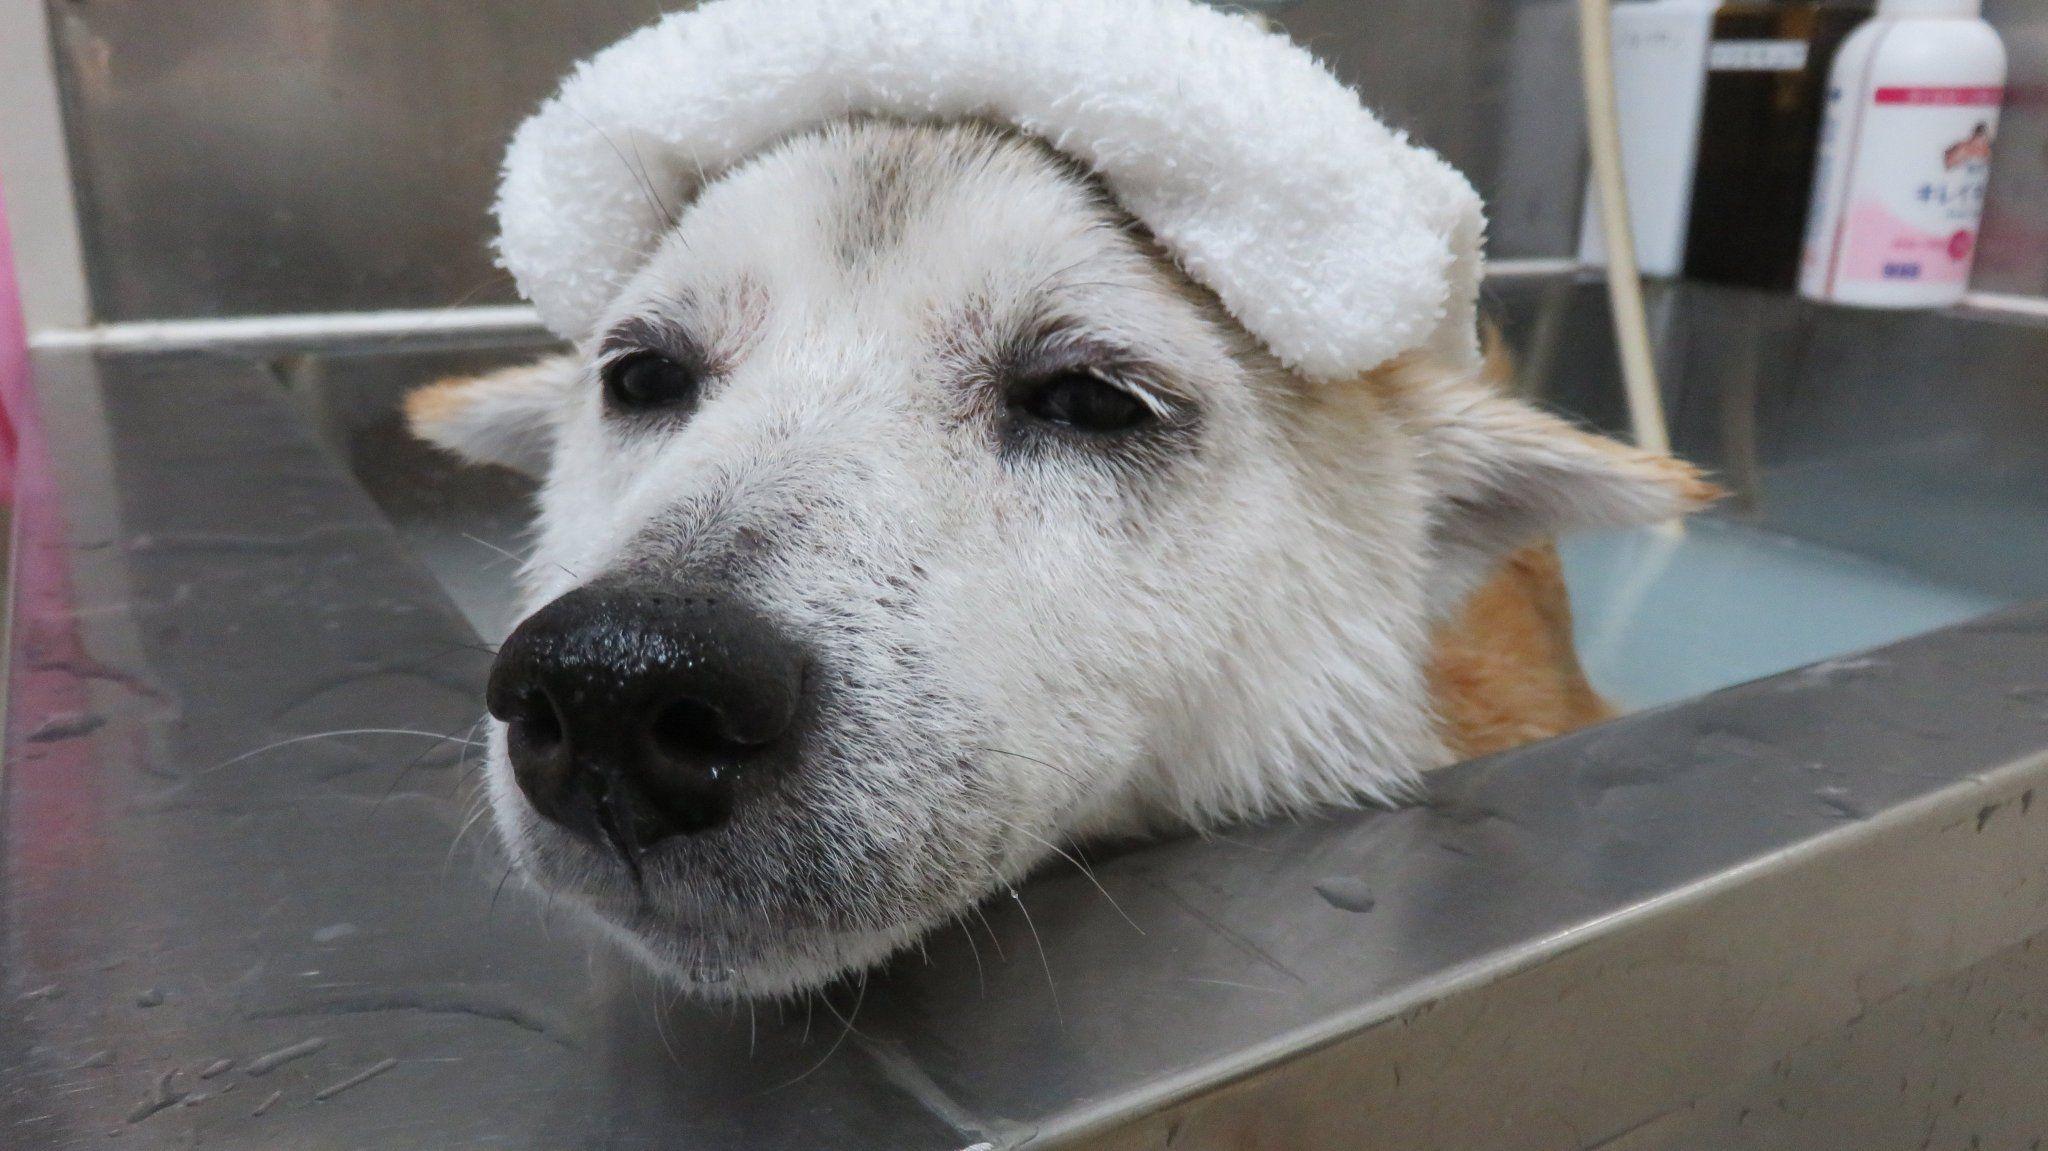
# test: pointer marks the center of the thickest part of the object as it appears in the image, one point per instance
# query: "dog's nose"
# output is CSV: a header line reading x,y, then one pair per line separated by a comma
x,y
630,713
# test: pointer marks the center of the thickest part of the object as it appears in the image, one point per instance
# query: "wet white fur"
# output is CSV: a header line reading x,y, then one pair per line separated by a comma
x,y
1028,648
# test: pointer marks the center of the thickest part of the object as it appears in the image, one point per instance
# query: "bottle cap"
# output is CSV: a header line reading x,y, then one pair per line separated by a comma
x,y
1963,8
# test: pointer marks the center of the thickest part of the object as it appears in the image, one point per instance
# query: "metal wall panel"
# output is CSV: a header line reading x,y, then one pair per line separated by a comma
x,y
40,213
2014,257
249,156
258,156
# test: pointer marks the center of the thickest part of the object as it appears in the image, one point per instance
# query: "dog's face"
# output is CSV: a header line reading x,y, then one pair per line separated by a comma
x,y
909,516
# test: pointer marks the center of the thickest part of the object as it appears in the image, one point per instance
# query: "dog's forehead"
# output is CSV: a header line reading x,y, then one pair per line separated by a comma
x,y
920,215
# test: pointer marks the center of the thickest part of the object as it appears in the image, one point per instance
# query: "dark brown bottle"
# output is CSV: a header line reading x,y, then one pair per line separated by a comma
x,y
1767,72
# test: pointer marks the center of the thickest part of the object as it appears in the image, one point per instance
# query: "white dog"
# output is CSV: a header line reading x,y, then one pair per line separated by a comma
x,y
909,513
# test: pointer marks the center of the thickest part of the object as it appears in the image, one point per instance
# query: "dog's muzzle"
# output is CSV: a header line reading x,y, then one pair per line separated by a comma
x,y
635,715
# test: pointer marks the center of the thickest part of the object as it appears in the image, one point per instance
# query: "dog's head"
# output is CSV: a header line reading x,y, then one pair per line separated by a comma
x,y
910,515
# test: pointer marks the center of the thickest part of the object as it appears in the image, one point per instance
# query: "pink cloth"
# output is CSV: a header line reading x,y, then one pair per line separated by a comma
x,y
13,361
52,668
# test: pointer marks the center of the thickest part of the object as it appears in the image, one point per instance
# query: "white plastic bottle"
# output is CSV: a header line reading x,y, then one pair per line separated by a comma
x,y
1660,83
1913,103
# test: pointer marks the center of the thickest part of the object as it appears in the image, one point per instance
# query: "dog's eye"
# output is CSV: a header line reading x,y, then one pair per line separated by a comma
x,y
648,381
1084,401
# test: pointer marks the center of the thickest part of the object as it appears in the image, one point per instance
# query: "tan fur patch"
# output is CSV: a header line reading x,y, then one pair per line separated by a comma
x,y
1504,671
438,402
502,417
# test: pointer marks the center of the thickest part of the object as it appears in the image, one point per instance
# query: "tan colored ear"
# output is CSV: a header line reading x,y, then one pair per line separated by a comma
x,y
506,417
1507,474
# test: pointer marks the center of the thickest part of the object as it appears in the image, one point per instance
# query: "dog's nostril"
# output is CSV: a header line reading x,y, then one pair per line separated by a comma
x,y
538,725
691,731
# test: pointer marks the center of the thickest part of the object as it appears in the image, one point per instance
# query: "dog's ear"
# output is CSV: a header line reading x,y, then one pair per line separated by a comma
x,y
505,417
1504,473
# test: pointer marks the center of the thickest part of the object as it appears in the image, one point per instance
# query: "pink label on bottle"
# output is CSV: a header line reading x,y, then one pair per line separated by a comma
x,y
1884,247
1951,97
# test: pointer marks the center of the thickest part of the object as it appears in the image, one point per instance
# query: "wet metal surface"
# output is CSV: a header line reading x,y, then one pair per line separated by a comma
x,y
1571,942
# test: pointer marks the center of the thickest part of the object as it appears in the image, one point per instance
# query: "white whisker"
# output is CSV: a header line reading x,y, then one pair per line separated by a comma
x,y
974,949
515,557
438,737
859,998
1043,961
1084,869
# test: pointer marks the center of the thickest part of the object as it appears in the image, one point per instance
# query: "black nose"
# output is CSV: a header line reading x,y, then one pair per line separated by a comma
x,y
631,713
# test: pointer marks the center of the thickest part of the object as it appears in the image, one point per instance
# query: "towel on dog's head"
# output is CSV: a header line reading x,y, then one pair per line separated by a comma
x,y
1328,236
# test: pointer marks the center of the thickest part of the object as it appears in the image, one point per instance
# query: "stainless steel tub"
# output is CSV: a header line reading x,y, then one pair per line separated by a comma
x,y
1794,911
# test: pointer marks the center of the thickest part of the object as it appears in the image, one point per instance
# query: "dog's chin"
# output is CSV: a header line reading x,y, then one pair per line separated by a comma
x,y
754,969
712,945
711,952
715,965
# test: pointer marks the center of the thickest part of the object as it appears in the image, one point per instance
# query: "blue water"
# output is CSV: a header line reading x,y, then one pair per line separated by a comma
x,y
1662,618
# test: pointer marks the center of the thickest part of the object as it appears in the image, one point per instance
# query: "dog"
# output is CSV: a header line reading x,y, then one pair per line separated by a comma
x,y
911,514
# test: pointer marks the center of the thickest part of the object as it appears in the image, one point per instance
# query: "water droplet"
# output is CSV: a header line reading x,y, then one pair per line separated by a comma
x,y
158,1099
1838,799
272,1060
1347,894
711,973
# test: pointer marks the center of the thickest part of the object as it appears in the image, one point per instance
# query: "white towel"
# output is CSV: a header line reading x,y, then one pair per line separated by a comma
x,y
1330,237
